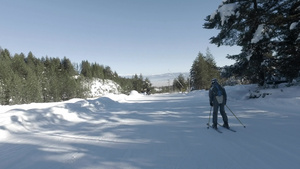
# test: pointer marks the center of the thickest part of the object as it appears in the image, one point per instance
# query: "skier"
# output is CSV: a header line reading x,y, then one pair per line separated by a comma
x,y
218,98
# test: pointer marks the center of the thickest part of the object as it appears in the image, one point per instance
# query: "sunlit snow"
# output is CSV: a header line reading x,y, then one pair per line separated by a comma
x,y
164,131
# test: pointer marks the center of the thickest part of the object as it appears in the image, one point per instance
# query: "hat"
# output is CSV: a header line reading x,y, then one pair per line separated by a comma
x,y
214,81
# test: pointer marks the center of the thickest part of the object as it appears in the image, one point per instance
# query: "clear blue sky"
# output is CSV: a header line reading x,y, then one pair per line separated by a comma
x,y
131,36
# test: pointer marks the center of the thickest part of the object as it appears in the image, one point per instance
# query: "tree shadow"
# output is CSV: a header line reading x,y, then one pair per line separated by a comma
x,y
107,133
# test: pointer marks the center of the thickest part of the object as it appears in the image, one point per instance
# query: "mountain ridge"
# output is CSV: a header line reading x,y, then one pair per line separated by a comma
x,y
165,79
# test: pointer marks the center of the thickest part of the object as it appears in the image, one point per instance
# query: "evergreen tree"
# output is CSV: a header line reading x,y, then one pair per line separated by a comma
x,y
202,71
198,73
108,73
86,70
211,65
262,29
180,84
97,71
6,75
147,86
34,79
126,85
67,80
288,48
52,83
18,82
137,83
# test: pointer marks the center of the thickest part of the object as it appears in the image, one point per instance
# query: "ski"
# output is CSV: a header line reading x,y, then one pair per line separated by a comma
x,y
208,125
227,128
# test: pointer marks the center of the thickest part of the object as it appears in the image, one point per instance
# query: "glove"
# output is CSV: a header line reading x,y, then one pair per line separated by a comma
x,y
211,104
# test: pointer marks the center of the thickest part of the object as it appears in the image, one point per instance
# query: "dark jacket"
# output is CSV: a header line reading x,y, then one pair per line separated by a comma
x,y
213,92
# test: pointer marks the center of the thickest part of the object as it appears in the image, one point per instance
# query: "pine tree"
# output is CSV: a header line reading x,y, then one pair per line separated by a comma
x,y
288,48
137,82
67,80
126,84
6,77
33,84
147,86
261,28
18,83
197,73
86,70
108,73
52,84
203,70
180,83
97,71
211,66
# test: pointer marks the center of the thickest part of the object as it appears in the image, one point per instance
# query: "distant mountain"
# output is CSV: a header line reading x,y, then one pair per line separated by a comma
x,y
165,79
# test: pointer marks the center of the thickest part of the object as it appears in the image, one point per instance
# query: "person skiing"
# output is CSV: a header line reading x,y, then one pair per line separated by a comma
x,y
218,98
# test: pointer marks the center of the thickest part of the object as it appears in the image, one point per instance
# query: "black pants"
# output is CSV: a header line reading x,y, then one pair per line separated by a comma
x,y
216,106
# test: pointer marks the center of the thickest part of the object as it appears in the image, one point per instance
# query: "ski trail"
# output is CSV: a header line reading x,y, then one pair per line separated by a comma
x,y
164,131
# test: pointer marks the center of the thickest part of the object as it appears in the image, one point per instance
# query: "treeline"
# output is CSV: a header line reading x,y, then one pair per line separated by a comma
x,y
27,79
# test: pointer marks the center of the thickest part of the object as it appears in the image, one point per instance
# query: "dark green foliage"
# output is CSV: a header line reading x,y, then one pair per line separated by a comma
x,y
126,84
141,85
203,70
137,82
276,51
86,69
28,79
180,83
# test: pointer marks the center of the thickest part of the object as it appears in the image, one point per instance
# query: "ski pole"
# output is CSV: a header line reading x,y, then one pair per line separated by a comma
x,y
209,117
236,117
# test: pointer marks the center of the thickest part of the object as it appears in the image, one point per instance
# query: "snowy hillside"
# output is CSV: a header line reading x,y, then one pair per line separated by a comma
x,y
163,131
99,87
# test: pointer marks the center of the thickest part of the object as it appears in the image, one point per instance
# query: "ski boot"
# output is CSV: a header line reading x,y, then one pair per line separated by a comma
x,y
215,126
225,125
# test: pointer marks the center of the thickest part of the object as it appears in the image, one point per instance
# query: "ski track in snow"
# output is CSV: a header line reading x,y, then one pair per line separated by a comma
x,y
166,131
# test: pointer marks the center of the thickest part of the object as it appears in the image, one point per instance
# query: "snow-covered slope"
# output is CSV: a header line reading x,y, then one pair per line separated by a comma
x,y
164,131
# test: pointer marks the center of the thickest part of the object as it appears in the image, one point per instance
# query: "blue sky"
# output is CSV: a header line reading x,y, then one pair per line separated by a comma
x,y
131,36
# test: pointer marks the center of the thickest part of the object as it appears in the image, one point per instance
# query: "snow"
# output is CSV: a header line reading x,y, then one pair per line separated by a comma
x,y
162,131
99,87
293,25
226,10
258,35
